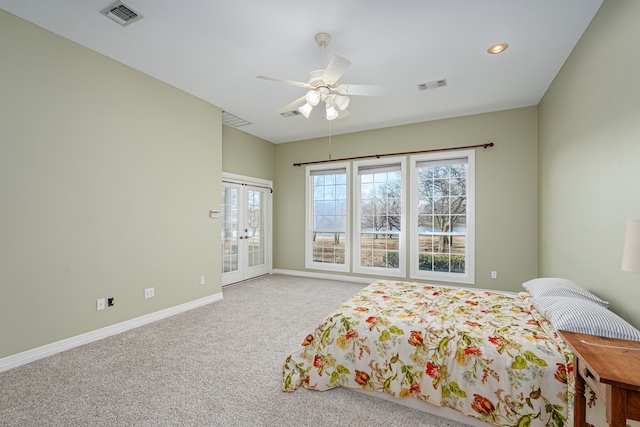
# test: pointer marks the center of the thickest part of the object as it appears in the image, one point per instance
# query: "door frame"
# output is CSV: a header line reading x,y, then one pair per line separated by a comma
x,y
247,181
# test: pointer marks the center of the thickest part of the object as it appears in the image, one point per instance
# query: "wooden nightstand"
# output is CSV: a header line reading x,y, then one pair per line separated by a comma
x,y
613,373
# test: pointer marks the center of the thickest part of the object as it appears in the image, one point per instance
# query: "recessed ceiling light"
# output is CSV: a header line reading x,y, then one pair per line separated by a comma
x,y
497,48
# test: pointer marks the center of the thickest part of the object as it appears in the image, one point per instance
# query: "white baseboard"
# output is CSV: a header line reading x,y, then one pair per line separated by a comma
x,y
316,275
371,279
28,356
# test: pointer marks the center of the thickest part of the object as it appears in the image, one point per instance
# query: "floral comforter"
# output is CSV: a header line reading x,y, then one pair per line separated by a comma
x,y
489,355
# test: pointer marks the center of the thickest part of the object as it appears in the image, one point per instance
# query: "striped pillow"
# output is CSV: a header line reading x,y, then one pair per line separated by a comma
x,y
556,287
585,317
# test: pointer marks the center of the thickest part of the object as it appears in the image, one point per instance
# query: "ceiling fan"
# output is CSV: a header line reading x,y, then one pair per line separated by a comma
x,y
324,86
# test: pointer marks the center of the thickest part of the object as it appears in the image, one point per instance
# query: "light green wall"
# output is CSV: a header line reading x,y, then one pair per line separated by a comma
x,y
506,186
589,150
106,180
247,155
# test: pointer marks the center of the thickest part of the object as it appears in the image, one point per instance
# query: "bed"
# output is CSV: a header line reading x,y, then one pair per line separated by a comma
x,y
488,355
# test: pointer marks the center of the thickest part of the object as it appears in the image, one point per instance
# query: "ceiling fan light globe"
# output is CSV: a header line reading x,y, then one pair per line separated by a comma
x,y
313,98
342,102
306,110
332,113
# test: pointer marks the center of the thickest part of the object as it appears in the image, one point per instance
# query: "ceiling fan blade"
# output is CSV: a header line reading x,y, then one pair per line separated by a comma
x,y
336,68
363,90
294,105
289,82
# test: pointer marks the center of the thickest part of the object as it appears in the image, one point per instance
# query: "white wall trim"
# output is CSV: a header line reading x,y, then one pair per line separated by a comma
x,y
240,275
369,280
246,180
32,355
314,275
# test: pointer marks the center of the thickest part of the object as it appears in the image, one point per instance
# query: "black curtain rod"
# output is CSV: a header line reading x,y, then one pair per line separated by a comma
x,y
249,185
490,144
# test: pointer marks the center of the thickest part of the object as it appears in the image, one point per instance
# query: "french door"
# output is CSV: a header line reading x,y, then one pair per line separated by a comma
x,y
246,228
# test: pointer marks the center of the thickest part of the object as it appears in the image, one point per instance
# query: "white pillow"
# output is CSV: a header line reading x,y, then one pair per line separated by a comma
x,y
585,317
556,287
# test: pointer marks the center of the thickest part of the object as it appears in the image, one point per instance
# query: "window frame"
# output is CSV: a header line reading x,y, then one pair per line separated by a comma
x,y
309,219
356,219
415,273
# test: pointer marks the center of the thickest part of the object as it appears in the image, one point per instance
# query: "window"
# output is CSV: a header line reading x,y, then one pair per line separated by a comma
x,y
439,216
379,219
327,227
442,217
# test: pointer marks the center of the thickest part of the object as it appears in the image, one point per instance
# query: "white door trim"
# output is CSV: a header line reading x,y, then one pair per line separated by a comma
x,y
247,181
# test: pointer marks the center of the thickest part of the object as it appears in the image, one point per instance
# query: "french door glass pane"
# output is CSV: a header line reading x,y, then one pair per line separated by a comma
x,y
229,229
256,230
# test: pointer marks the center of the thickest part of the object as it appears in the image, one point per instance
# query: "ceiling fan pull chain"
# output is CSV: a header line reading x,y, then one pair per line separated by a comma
x,y
330,146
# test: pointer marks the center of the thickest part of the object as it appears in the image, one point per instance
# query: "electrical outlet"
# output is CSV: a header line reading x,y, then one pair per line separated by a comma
x,y
494,274
111,302
149,293
202,280
100,304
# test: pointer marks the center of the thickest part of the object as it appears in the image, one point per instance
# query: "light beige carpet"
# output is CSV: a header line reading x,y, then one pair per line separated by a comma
x,y
218,365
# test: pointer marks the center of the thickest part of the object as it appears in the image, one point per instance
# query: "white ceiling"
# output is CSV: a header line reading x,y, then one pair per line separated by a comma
x,y
214,50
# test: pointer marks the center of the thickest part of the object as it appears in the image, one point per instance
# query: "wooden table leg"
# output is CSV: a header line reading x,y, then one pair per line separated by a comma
x,y
579,401
617,406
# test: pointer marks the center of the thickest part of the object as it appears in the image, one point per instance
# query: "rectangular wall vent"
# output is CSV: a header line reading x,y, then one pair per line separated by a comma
x,y
290,113
432,85
121,13
231,120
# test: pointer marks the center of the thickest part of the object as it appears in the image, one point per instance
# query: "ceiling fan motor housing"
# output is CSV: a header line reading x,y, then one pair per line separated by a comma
x,y
315,78
322,90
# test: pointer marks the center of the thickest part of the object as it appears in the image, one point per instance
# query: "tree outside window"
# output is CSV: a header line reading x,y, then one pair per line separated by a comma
x,y
327,218
380,219
443,218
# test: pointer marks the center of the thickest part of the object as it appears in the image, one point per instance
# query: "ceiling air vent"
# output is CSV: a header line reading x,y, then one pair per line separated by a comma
x,y
121,13
290,113
231,120
432,85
